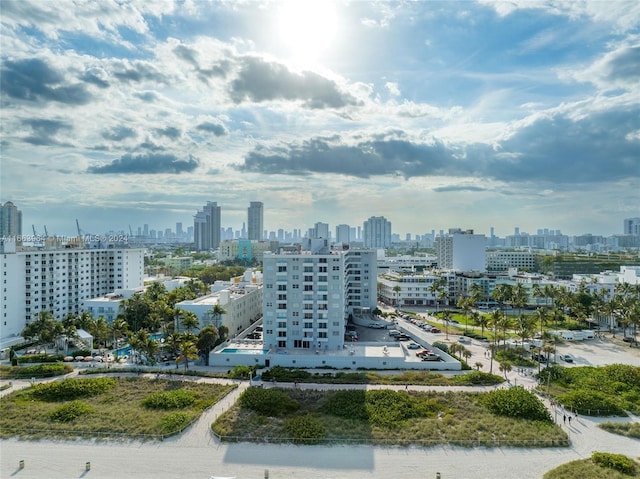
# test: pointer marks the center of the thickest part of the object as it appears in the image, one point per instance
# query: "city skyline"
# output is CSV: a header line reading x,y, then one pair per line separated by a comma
x,y
431,114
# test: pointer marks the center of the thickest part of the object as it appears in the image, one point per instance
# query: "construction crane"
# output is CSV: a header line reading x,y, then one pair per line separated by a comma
x,y
130,231
34,230
46,233
80,232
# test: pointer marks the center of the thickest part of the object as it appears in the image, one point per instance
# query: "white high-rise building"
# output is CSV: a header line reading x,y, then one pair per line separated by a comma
x,y
461,251
60,280
255,219
376,232
307,298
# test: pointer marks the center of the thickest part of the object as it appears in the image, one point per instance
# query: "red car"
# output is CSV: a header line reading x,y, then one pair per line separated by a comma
x,y
424,352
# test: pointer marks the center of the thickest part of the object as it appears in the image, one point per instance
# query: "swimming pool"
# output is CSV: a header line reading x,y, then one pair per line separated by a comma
x,y
244,351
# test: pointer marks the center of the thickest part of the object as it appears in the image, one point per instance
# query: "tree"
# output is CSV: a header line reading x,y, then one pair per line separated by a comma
x,y
466,354
206,341
502,294
216,312
505,367
188,319
542,316
481,320
172,342
479,365
46,329
439,289
135,311
396,290
446,316
519,297
188,351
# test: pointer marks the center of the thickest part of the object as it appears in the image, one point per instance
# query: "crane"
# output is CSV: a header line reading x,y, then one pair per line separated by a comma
x,y
46,233
78,226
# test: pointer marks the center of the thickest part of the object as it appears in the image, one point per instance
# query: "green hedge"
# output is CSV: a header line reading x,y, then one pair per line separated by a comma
x,y
516,402
268,402
37,371
617,462
41,358
70,389
176,399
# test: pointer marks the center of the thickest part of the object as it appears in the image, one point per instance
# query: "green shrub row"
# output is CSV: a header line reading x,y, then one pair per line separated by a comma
x,y
176,399
36,371
478,378
70,389
590,402
441,346
516,402
617,462
70,411
475,335
41,358
268,402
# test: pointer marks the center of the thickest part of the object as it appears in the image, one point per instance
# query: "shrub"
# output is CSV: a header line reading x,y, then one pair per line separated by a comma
x,y
478,378
70,389
389,408
278,373
441,346
347,404
37,371
41,358
614,461
631,429
592,403
268,402
304,429
176,399
81,352
70,411
241,372
516,402
174,422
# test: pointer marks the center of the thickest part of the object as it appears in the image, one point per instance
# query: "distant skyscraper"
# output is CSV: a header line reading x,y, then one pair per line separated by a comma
x,y
343,234
632,226
376,232
10,220
179,232
206,227
255,220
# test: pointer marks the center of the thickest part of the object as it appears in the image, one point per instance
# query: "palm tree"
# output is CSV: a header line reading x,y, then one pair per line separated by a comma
x,y
446,316
396,290
466,354
173,342
542,316
481,320
188,320
505,367
46,329
217,311
438,288
519,297
479,365
188,351
207,340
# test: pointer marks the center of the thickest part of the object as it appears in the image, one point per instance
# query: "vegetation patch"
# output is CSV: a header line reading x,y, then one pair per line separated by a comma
x,y
629,429
517,402
37,371
176,399
475,378
175,422
304,429
70,411
70,389
117,409
389,417
595,391
268,402
587,469
617,462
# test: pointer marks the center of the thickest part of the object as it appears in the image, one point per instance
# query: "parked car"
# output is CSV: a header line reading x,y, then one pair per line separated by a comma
x,y
435,330
541,358
402,337
628,339
464,339
423,352
567,358
394,332
413,346
431,357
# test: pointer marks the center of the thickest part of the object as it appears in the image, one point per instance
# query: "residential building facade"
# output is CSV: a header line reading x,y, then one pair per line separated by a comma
x,y
376,232
308,297
255,221
60,280
206,227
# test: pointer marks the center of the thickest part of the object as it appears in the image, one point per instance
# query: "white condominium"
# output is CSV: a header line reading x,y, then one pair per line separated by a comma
x,y
255,220
60,280
376,232
307,298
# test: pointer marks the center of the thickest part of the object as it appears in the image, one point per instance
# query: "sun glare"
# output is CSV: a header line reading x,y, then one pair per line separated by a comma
x,y
307,28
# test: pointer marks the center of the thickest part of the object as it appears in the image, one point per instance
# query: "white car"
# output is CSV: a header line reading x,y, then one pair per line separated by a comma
x,y
413,346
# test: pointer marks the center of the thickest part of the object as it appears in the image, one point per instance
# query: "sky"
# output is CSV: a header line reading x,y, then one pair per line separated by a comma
x,y
435,115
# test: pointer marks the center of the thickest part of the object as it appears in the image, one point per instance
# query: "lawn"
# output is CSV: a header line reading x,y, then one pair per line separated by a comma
x,y
595,469
106,408
383,418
